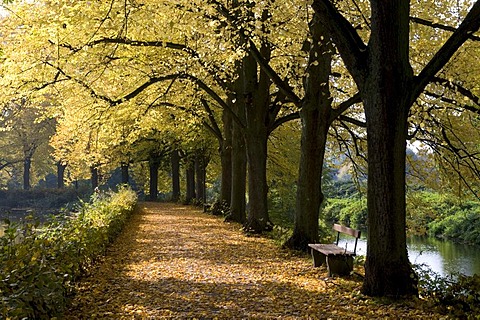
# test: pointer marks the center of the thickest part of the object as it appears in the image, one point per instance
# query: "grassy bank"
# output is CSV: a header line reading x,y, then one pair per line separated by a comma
x,y
38,265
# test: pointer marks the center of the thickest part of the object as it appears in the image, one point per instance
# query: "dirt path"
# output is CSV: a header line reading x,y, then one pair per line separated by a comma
x,y
175,262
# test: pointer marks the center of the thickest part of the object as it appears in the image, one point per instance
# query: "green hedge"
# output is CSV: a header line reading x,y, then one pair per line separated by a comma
x,y
38,265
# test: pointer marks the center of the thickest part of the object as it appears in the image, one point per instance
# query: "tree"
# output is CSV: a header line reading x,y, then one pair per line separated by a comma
x,y
316,120
388,87
26,132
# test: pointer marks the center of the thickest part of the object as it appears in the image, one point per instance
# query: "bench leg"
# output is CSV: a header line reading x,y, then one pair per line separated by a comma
x,y
318,258
339,265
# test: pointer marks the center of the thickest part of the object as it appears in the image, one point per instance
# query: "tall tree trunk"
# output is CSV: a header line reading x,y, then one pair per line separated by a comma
x,y
153,165
239,155
61,175
27,164
386,95
175,164
200,166
239,177
256,135
190,181
315,116
226,158
125,175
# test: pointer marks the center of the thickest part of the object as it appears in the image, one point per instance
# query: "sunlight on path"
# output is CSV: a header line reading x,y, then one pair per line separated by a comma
x,y
176,262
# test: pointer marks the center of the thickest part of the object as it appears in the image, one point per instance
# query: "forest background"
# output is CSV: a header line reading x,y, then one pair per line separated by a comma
x,y
251,99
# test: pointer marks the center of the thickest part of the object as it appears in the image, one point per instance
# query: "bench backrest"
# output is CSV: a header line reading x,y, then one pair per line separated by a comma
x,y
348,231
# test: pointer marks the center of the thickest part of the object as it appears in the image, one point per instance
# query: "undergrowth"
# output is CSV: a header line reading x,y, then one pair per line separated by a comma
x,y
38,265
457,295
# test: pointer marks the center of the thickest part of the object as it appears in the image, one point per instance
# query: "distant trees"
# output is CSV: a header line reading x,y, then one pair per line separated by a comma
x,y
24,137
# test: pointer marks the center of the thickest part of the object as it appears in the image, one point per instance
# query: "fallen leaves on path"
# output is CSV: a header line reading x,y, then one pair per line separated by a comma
x,y
176,262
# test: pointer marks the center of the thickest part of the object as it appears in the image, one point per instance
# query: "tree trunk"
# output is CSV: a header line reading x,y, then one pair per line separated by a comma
x,y
226,158
256,135
154,165
200,166
315,116
125,175
94,177
386,95
239,156
239,177
27,164
190,182
61,175
175,163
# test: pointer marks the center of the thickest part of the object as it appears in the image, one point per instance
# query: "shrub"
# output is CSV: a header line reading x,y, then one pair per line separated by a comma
x,y
461,225
457,295
351,212
38,265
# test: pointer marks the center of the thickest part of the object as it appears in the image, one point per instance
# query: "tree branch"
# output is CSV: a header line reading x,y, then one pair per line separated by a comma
x,y
278,122
469,25
157,44
440,26
462,90
342,107
252,48
349,44
213,126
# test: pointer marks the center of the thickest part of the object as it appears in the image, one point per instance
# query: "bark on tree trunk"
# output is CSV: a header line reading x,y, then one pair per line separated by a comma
x,y
226,159
200,166
61,175
94,177
256,135
258,219
315,116
386,95
175,164
190,182
27,164
239,177
154,165
239,157
125,175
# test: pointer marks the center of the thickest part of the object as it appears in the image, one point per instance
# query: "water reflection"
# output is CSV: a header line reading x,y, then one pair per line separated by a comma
x,y
443,257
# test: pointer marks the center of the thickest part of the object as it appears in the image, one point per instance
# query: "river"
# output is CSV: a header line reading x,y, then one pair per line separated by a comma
x,y
443,257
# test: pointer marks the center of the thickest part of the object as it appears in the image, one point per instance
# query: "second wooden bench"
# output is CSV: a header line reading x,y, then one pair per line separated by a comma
x,y
338,260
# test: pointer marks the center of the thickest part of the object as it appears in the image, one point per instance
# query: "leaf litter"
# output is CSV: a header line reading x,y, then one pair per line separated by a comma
x,y
176,262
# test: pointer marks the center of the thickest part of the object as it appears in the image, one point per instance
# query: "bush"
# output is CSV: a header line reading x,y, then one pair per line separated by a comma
x,y
351,212
38,265
462,226
457,295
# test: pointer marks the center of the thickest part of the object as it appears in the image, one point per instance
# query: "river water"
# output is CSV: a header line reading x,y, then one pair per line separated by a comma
x,y
443,257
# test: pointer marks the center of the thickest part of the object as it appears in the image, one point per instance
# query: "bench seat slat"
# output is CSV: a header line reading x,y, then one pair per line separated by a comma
x,y
330,249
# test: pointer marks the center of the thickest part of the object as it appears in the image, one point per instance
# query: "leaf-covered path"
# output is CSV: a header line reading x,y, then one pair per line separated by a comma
x,y
175,262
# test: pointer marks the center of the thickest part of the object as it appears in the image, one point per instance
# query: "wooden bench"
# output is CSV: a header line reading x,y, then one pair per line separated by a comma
x,y
338,260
